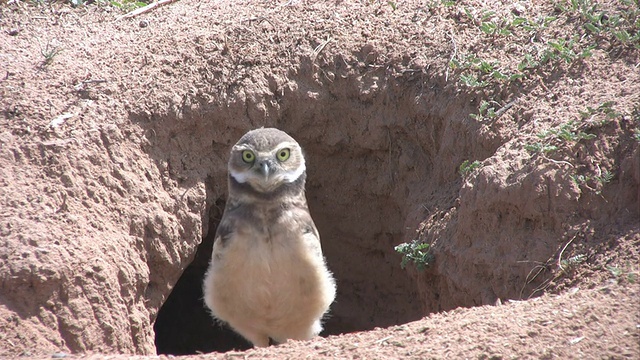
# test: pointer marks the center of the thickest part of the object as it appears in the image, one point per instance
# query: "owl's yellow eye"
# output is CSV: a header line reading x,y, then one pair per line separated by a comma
x,y
248,156
283,154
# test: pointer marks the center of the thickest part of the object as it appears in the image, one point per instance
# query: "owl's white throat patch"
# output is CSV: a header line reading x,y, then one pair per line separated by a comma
x,y
240,177
291,176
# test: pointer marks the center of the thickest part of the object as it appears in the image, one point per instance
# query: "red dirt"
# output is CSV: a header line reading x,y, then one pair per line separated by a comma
x,y
107,210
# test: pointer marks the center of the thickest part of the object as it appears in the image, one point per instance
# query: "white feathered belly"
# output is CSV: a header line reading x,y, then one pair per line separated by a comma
x,y
279,288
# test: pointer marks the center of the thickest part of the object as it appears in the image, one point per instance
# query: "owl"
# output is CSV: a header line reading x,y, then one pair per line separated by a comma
x,y
267,277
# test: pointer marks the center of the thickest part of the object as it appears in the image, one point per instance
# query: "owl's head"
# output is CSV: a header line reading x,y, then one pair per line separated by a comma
x,y
265,159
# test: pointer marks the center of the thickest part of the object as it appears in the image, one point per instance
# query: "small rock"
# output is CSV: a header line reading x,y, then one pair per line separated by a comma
x,y
59,355
13,32
518,9
143,23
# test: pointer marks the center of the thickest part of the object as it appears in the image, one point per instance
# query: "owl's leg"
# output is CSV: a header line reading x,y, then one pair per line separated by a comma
x,y
257,338
316,328
274,342
306,333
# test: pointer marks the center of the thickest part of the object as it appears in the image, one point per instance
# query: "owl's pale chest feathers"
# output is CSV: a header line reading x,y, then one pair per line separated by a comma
x,y
275,224
277,242
272,276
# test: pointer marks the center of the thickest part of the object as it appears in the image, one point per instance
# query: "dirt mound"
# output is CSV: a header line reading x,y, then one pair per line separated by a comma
x,y
508,146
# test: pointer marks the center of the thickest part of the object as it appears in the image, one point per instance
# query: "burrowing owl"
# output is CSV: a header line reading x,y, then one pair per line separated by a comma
x,y
267,277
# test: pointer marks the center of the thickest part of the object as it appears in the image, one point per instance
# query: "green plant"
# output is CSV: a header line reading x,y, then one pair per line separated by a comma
x,y
570,263
487,25
614,270
433,4
580,179
606,109
595,28
566,50
593,182
417,252
475,72
49,52
484,111
621,25
471,80
618,271
493,28
467,167
552,138
539,24
539,147
604,178
636,134
127,5
569,131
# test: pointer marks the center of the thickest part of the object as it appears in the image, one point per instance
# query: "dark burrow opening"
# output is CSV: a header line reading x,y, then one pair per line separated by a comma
x,y
184,326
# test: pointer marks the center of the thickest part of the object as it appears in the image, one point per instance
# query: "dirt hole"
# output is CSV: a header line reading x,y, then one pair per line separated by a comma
x,y
382,156
373,290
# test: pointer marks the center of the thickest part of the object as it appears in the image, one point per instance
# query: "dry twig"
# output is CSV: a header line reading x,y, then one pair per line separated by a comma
x,y
453,55
145,9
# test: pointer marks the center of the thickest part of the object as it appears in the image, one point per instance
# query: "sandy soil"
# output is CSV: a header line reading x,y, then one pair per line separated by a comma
x,y
114,134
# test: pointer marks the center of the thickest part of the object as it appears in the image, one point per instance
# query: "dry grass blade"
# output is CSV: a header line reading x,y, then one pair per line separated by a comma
x,y
319,49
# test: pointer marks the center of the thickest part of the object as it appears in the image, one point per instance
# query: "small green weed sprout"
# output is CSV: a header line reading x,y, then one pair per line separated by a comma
x,y
614,270
606,109
566,50
477,73
416,252
49,52
605,178
485,111
625,272
539,147
472,81
589,181
393,5
128,5
620,25
570,263
467,167
568,131
552,139
445,3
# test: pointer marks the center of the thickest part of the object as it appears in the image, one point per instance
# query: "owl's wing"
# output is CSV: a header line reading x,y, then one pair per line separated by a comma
x,y
310,232
225,233
225,230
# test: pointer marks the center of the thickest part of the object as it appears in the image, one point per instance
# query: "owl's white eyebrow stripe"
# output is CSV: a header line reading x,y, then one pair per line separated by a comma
x,y
285,145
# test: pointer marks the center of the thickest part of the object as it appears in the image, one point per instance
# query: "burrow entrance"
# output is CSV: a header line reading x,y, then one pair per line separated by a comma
x,y
377,166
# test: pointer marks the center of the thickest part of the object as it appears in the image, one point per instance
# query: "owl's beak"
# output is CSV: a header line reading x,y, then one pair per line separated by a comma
x,y
265,169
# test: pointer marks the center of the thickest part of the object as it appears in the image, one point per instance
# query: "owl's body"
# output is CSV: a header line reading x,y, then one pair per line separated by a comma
x,y
267,277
